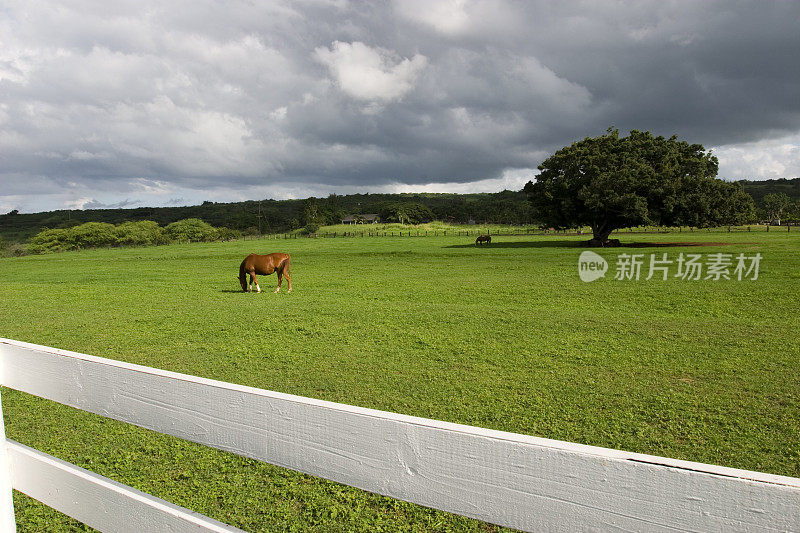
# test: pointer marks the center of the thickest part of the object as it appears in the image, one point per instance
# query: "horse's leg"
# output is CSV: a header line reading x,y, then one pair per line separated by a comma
x,y
283,271
281,274
254,279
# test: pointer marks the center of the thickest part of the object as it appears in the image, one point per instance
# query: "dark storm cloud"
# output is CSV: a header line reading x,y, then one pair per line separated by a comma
x,y
718,73
105,102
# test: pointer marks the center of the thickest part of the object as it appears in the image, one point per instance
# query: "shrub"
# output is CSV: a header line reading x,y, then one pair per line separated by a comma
x,y
48,240
142,233
228,234
15,250
191,230
90,235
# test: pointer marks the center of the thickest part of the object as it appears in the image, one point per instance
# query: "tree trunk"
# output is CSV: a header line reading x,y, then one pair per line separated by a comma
x,y
600,237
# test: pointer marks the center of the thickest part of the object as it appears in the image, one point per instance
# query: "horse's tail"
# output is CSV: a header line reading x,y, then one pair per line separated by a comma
x,y
242,273
287,264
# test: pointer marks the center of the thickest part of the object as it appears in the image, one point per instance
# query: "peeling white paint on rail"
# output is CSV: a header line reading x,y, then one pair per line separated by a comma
x,y
97,501
520,481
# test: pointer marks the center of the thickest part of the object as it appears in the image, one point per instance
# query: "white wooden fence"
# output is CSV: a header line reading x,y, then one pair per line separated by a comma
x,y
513,480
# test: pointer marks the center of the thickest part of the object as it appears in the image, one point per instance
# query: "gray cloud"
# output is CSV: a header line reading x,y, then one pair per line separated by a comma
x,y
103,102
94,204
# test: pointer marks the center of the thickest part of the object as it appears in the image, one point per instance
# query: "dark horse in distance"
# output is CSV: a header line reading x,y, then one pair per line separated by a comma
x,y
483,238
265,264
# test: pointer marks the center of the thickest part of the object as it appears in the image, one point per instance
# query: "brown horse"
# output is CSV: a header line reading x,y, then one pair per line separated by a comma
x,y
483,238
265,264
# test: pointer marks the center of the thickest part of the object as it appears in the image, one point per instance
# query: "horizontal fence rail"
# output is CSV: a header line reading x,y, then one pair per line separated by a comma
x,y
513,480
97,501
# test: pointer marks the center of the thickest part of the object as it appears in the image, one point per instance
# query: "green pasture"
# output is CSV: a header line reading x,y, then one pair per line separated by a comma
x,y
505,336
429,229
439,228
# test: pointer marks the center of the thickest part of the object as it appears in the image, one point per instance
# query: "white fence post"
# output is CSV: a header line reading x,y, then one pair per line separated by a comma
x,y
7,522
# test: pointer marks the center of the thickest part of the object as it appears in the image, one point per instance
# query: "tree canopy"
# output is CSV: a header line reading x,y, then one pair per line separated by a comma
x,y
611,182
405,212
774,205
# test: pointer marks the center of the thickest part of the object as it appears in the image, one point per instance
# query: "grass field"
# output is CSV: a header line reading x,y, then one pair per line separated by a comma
x,y
432,228
505,337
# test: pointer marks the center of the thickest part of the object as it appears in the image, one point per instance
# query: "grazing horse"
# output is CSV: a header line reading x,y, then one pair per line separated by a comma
x,y
264,264
483,238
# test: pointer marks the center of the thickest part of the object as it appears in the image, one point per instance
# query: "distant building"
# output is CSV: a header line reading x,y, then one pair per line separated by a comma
x,y
369,218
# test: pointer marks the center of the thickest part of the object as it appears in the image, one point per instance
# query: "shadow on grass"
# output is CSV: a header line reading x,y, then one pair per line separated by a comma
x,y
240,291
674,244
521,244
582,244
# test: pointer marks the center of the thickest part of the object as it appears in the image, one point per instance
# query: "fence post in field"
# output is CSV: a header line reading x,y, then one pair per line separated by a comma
x,y
7,522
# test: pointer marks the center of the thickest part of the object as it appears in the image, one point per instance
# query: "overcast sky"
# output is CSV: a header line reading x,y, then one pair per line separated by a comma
x,y
123,104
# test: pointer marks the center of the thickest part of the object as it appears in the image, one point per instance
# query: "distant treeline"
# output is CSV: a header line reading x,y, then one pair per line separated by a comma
x,y
141,233
278,216
759,189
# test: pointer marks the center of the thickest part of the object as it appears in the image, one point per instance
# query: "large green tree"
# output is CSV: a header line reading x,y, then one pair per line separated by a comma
x,y
774,205
405,212
612,182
